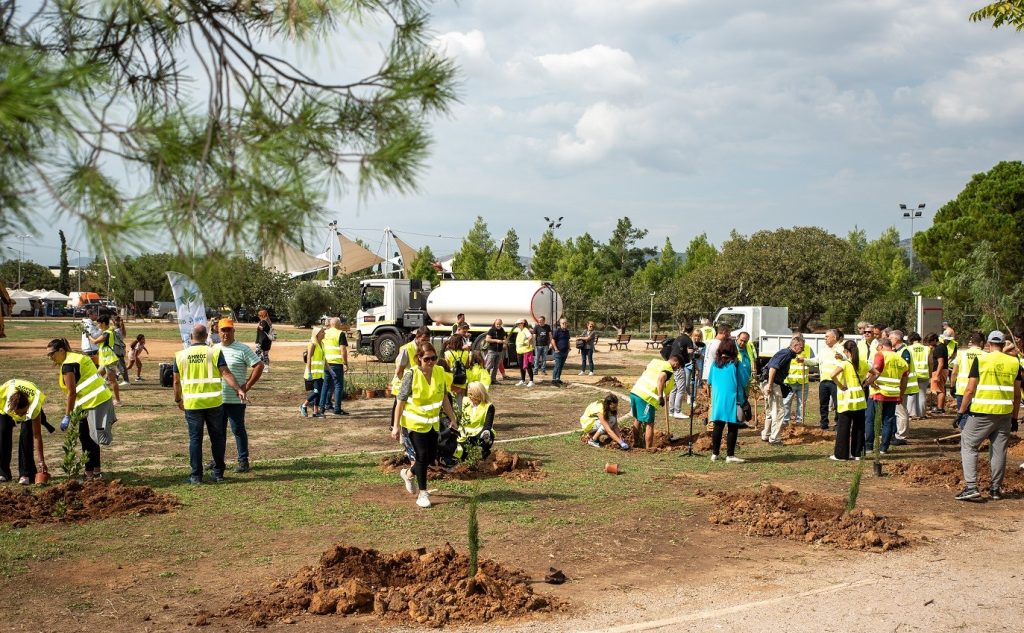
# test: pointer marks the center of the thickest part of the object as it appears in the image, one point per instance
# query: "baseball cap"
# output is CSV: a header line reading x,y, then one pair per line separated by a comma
x,y
223,323
995,336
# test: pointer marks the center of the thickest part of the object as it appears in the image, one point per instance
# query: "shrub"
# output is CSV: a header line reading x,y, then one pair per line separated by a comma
x,y
308,303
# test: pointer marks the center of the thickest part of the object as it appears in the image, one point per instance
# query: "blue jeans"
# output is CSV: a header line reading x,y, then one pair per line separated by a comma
x,y
235,413
556,373
888,425
540,360
334,384
213,420
318,388
798,393
828,392
585,355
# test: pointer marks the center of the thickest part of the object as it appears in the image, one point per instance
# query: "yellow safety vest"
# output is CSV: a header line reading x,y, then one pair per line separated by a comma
x,y
107,355
478,373
523,343
332,347
422,411
453,355
646,387
853,398
317,359
91,390
591,415
473,418
951,348
410,349
798,374
36,399
997,372
827,362
912,388
919,353
888,381
199,377
751,354
964,359
707,332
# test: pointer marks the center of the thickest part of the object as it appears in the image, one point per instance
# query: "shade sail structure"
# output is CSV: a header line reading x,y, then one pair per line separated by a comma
x,y
292,261
354,257
407,252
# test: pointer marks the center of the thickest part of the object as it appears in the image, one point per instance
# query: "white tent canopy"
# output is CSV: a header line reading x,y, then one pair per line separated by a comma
x,y
54,295
21,294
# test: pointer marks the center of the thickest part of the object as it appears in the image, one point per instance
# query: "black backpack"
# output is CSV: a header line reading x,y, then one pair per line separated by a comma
x,y
166,375
666,347
458,371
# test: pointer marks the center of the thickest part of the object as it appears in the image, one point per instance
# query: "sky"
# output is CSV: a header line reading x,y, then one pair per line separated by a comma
x,y
695,116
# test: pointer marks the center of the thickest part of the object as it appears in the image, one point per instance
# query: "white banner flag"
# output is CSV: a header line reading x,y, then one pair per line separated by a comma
x,y
188,301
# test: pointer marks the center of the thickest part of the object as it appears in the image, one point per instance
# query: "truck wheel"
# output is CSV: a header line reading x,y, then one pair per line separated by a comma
x,y
387,348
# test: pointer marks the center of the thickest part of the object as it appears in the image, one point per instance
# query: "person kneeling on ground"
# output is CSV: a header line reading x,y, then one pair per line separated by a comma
x,y
21,402
601,418
477,427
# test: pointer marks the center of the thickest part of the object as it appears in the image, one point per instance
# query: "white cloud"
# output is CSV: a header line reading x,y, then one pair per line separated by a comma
x,y
470,49
989,87
599,69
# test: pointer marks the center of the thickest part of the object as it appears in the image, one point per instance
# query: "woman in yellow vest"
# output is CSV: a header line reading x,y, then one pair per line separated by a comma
x,y
849,375
456,361
476,371
601,418
107,357
648,395
21,402
477,428
84,393
314,375
420,401
524,349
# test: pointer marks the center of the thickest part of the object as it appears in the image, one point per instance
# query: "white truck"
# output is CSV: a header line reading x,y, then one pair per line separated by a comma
x,y
392,309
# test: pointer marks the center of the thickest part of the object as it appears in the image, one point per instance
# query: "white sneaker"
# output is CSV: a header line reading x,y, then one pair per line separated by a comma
x,y
529,384
581,373
591,373
520,383
679,415
714,457
117,403
423,500
734,460
123,383
410,482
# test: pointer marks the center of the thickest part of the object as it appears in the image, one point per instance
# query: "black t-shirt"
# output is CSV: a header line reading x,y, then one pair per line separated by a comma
x,y
780,362
682,346
342,340
561,338
499,333
263,335
543,334
939,351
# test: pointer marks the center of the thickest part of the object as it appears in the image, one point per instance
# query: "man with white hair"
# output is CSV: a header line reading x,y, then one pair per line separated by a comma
x,y
773,387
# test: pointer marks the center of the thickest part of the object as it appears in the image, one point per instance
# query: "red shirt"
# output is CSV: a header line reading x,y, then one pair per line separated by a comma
x,y
879,364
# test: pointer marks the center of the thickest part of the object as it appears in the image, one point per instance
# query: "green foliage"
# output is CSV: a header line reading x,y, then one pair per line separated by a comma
x,y
699,254
33,276
621,257
977,286
237,151
1004,12
507,265
422,267
64,281
145,272
854,492
546,254
577,277
473,258
309,302
622,301
72,463
473,531
242,281
345,289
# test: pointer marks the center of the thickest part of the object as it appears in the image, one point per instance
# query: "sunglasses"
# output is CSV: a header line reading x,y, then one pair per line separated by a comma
x,y
428,359
50,354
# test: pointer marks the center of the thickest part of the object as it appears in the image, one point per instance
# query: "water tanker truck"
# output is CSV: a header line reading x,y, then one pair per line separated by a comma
x,y
391,310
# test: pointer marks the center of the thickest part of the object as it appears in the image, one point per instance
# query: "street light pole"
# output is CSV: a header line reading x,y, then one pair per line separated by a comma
x,y
651,333
78,272
911,214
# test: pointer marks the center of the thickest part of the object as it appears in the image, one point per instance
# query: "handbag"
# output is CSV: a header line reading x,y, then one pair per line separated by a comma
x,y
743,410
581,343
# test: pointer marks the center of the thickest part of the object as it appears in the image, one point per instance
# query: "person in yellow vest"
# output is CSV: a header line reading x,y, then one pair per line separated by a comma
x,y
889,379
314,374
648,395
456,363
406,358
477,427
198,372
798,380
601,418
421,399
919,354
992,404
476,370
524,349
21,402
707,331
335,359
107,357
902,413
849,375
961,364
85,396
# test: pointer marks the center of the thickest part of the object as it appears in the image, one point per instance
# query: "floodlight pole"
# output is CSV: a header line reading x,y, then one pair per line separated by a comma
x,y
651,332
911,214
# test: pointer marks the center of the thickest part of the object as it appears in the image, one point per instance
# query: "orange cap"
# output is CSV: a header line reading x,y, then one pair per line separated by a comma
x,y
223,323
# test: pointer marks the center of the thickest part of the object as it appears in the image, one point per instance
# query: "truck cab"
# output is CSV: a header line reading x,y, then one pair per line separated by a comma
x,y
757,321
388,309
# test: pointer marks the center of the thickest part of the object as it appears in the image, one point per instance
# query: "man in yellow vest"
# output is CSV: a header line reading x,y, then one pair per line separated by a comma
x,y
889,380
336,357
919,354
198,372
649,394
798,380
992,404
707,331
961,365
902,409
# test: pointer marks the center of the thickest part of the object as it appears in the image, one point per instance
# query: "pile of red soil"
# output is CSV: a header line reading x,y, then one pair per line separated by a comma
x,y
807,518
411,586
1016,448
662,442
76,502
610,382
949,474
499,463
794,434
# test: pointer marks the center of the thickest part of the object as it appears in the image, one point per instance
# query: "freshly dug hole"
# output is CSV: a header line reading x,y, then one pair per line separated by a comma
x,y
410,586
949,474
76,502
806,518
499,463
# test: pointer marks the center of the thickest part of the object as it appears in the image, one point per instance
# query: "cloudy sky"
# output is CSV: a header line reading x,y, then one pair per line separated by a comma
x,y
694,116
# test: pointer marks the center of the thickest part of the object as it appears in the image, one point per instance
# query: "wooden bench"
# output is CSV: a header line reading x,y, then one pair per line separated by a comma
x,y
622,342
656,341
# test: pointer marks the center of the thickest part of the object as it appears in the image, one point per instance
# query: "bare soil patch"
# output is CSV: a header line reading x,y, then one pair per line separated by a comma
x,y
797,434
76,502
814,519
500,463
948,474
662,441
411,586
609,382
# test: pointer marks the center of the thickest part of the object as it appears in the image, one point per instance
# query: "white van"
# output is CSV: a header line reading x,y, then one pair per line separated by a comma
x,y
26,307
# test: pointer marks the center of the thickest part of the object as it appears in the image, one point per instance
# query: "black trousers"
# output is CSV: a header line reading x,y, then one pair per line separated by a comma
x,y
827,392
730,438
849,434
424,446
91,448
26,461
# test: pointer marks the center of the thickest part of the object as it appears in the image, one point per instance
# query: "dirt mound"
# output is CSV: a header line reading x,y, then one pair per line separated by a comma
x,y
76,502
410,586
499,463
662,442
949,474
807,518
1016,447
609,381
794,434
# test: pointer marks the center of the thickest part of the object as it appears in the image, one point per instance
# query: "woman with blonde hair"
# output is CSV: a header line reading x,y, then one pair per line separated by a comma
x,y
314,373
477,427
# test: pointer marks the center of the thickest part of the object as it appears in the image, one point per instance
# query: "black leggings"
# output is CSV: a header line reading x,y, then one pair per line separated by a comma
x,y
849,434
523,370
730,438
424,445
91,448
26,460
